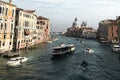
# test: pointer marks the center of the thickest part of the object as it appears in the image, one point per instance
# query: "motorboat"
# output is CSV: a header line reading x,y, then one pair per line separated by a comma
x,y
13,63
103,40
89,50
49,41
115,48
23,59
63,49
55,39
16,61
82,41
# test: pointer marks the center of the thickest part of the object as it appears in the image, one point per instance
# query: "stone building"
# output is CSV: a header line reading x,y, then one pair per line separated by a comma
x,y
88,32
43,26
108,30
75,30
7,24
82,30
118,26
25,28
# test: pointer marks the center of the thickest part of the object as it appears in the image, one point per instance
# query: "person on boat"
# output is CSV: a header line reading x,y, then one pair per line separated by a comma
x,y
84,64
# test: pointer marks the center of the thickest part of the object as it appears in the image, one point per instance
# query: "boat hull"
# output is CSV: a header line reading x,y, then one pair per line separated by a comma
x,y
13,63
115,48
64,52
16,61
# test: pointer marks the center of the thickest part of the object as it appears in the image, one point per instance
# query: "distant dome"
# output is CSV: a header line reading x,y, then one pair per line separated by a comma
x,y
76,24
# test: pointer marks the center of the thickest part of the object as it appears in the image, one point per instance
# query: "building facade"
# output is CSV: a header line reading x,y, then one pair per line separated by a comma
x,y
118,26
43,26
89,33
75,30
82,30
25,28
7,24
108,30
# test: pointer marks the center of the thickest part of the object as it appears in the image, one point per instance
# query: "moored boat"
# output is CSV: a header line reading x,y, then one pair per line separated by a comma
x,y
115,48
63,49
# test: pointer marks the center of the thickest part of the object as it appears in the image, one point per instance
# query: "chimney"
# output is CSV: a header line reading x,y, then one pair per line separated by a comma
x,y
10,1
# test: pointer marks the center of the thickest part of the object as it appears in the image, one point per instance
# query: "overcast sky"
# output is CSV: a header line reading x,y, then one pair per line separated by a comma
x,y
63,12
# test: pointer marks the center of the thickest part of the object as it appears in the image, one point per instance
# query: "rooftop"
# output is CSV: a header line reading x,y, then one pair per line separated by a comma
x,y
41,17
7,3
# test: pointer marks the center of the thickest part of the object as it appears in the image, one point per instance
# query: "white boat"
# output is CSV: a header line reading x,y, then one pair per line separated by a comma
x,y
63,49
116,48
49,41
89,50
82,41
23,59
13,63
16,61
55,39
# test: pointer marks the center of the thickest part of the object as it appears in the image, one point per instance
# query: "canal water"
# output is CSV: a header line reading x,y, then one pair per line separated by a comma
x,y
103,64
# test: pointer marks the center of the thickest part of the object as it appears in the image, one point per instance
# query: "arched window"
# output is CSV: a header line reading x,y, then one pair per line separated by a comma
x,y
13,13
0,9
3,11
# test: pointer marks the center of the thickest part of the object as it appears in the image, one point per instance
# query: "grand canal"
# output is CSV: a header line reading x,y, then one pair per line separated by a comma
x,y
103,64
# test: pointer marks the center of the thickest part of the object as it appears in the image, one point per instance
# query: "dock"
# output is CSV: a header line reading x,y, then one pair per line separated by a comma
x,y
8,54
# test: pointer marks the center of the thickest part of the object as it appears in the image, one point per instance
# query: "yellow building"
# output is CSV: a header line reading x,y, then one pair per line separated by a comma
x,y
7,21
25,30
43,26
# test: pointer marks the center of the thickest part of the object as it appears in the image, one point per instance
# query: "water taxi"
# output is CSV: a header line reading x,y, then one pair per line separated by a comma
x,y
16,61
63,49
89,50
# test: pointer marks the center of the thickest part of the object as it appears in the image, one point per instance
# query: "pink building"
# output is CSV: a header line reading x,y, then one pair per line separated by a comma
x,y
43,26
108,30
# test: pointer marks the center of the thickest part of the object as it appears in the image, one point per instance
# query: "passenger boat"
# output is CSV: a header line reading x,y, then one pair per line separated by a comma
x,y
115,48
49,41
63,49
16,61
89,50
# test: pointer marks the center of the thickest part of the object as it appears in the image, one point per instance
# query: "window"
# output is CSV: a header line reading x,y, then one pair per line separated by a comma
x,y
47,27
1,26
3,43
11,27
0,10
4,36
10,36
5,26
0,43
13,13
16,22
10,43
3,11
6,11
26,23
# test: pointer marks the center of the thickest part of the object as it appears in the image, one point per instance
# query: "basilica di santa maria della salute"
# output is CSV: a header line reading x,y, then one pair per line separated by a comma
x,y
80,30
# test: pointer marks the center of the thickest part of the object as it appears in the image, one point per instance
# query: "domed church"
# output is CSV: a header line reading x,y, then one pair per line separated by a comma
x,y
76,24
75,30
